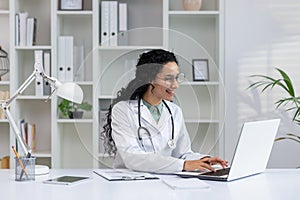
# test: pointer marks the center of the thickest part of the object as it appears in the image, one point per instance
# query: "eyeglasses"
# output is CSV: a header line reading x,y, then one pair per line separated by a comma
x,y
169,79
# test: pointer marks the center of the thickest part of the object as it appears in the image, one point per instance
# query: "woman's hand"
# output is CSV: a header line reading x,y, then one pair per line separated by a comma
x,y
204,164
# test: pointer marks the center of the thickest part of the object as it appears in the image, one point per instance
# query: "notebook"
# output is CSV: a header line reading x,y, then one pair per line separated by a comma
x,y
251,154
123,175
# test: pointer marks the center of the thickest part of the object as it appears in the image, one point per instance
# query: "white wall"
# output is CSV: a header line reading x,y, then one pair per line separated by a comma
x,y
260,35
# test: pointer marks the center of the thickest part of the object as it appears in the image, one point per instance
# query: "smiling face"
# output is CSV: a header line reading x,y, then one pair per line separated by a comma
x,y
164,84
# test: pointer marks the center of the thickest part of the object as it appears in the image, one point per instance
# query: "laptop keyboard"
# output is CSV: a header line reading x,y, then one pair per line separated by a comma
x,y
219,172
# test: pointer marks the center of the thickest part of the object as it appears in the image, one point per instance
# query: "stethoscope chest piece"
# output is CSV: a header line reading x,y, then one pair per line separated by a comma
x,y
171,144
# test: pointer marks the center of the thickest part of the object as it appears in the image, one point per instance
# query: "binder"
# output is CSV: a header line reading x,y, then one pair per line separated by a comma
x,y
69,66
123,35
38,59
47,70
31,31
105,23
113,26
23,24
61,74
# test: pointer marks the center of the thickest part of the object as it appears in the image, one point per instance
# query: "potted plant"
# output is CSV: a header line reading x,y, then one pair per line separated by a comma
x,y
291,103
73,110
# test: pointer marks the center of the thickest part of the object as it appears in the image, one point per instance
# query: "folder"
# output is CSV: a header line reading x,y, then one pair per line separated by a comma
x,y
69,66
113,26
47,70
23,24
38,59
124,175
61,74
105,23
123,35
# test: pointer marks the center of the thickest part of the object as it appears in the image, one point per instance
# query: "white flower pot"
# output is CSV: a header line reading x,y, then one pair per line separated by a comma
x,y
191,5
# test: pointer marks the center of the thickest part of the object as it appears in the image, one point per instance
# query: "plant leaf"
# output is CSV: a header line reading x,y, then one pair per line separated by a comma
x,y
288,82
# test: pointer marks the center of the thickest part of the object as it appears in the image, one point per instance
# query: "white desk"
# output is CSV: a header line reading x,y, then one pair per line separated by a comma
x,y
270,185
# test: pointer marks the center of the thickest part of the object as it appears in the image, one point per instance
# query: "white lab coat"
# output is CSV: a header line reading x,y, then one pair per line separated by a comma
x,y
130,152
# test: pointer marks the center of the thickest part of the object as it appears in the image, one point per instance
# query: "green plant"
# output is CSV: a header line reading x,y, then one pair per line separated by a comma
x,y
66,107
291,103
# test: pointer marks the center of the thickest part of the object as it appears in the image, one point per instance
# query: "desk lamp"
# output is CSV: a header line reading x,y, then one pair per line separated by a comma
x,y
69,91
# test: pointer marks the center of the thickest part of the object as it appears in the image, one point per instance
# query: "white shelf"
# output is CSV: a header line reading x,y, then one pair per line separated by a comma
x,y
106,97
4,12
87,83
42,154
45,47
74,121
4,83
81,12
128,47
32,97
3,121
200,13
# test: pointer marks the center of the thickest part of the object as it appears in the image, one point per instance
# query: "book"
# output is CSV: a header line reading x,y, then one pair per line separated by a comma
x,y
31,136
123,175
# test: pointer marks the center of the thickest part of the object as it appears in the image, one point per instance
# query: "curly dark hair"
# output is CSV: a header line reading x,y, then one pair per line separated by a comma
x,y
148,66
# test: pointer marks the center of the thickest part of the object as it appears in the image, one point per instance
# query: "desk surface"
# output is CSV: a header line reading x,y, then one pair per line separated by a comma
x,y
271,185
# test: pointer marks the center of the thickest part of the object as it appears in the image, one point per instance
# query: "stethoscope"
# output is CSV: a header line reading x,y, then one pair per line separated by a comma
x,y
171,142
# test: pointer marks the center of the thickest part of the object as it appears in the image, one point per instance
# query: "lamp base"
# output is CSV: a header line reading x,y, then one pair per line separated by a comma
x,y
41,170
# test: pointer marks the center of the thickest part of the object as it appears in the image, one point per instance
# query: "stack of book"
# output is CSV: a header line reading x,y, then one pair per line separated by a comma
x,y
28,133
25,29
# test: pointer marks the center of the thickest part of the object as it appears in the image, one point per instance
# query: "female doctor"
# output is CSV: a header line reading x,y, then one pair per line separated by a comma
x,y
145,130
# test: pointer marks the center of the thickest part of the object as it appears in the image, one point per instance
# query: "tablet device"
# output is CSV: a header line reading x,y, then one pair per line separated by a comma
x,y
67,180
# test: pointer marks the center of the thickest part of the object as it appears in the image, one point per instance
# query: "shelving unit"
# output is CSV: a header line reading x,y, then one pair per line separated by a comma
x,y
66,143
199,35
5,83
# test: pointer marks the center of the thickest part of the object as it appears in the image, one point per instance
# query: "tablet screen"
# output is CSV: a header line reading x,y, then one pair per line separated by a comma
x,y
66,180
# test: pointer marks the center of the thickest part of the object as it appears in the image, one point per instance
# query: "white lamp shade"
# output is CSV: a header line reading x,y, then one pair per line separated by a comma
x,y
71,92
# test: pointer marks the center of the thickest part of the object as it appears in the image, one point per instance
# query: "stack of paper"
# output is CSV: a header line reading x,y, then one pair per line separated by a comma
x,y
185,183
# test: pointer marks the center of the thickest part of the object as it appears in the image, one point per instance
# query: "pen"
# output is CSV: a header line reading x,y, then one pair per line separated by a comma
x,y
20,161
133,177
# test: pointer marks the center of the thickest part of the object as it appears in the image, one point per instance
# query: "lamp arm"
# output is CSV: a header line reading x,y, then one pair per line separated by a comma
x,y
17,132
22,88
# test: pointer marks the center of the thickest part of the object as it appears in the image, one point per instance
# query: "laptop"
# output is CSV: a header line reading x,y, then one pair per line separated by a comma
x,y
251,154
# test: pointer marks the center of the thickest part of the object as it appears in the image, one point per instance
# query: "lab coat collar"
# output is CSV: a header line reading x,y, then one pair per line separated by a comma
x,y
147,116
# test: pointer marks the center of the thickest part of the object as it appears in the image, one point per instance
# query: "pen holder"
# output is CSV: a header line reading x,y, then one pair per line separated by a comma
x,y
25,169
